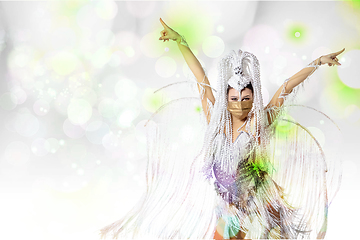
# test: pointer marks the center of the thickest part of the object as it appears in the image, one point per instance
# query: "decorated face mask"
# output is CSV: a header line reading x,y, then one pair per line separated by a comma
x,y
240,109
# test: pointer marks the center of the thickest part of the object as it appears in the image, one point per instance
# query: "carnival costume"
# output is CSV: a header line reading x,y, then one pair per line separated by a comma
x,y
273,181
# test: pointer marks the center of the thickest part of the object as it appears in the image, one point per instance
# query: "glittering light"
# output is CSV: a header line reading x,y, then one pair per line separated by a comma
x,y
213,46
41,107
79,111
165,67
297,34
17,153
350,68
110,141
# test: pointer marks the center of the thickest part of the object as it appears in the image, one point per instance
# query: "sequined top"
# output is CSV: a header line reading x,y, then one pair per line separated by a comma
x,y
233,186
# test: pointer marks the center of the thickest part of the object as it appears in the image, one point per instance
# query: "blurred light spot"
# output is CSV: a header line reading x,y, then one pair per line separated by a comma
x,y
8,101
53,145
115,59
322,122
303,57
106,108
318,134
80,172
86,93
26,124
98,162
126,117
64,63
127,45
61,142
296,32
72,131
19,94
166,49
140,9
79,111
352,113
41,107
101,57
220,28
96,130
349,68
74,165
17,153
40,147
110,141
165,67
213,46
106,9
151,46
126,90
152,101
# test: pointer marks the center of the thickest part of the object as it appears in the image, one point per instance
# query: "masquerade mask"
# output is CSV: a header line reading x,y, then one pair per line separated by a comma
x,y
240,109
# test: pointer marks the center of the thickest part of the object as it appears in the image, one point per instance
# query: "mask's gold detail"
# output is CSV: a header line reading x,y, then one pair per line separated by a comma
x,y
240,109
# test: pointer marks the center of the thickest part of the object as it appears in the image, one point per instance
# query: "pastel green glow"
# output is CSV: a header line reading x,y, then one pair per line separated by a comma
x,y
64,63
151,101
342,95
296,32
285,126
198,109
355,4
185,19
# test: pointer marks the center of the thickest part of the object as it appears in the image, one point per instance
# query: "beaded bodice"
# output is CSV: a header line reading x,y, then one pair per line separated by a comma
x,y
232,182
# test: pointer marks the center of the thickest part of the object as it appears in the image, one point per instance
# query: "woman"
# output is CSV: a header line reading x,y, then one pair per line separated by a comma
x,y
258,194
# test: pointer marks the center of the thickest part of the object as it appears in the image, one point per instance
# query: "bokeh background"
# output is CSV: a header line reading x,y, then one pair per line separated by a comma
x,y
76,87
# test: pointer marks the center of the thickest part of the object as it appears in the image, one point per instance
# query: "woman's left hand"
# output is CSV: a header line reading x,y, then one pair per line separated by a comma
x,y
331,58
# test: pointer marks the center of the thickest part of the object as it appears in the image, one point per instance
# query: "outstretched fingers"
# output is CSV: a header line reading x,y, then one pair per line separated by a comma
x,y
164,24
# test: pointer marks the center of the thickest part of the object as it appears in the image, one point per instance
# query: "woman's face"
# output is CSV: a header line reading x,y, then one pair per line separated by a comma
x,y
246,95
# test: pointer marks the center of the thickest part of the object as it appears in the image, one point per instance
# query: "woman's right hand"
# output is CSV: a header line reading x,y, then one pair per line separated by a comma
x,y
168,33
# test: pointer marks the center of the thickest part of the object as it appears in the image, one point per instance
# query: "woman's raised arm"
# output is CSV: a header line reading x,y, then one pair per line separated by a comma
x,y
278,99
194,66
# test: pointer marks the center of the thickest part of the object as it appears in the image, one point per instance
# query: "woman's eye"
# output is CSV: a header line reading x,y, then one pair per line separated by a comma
x,y
246,99
235,99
